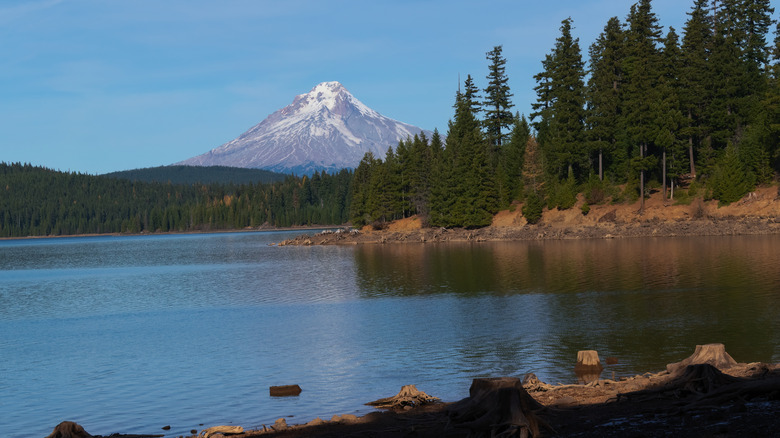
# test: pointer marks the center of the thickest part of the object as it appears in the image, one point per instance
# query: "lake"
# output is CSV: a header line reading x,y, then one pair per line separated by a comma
x,y
132,333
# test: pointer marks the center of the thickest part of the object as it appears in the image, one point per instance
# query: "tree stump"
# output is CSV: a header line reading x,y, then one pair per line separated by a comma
x,y
408,397
588,367
69,429
702,379
498,407
588,359
712,354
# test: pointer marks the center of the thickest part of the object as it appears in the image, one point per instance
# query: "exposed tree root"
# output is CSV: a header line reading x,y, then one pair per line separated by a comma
x,y
408,397
498,407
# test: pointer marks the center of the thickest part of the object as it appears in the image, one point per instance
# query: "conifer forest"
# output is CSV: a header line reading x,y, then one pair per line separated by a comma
x,y
688,112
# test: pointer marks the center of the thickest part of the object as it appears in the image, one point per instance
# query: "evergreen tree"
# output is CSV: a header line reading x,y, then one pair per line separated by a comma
x,y
728,109
361,190
641,67
497,104
603,115
695,78
465,194
667,109
511,162
730,182
561,103
472,97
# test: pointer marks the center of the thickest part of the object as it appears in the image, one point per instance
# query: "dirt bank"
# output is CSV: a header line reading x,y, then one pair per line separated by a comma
x,y
757,213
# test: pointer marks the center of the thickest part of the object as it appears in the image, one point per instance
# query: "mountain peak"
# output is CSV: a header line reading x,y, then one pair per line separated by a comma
x,y
324,129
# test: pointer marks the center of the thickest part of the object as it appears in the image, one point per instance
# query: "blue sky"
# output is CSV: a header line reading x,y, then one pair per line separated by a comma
x,y
96,86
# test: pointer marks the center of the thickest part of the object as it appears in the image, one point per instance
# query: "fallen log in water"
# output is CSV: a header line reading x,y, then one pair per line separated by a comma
x,y
285,390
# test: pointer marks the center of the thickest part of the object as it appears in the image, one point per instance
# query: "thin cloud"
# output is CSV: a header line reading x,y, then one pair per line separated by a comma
x,y
22,10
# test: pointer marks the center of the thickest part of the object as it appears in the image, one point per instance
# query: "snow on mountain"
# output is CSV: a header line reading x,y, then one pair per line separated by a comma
x,y
324,129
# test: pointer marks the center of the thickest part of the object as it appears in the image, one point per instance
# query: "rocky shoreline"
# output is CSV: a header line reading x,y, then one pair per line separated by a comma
x,y
732,226
758,213
705,395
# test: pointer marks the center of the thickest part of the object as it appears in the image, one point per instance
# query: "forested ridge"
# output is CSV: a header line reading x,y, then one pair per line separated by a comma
x,y
695,113
197,174
690,115
40,202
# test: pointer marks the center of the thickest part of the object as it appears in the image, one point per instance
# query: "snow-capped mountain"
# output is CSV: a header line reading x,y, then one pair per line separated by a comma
x,y
327,128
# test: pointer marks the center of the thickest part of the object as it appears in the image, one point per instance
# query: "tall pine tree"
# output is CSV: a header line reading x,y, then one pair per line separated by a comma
x,y
497,104
603,114
561,107
640,65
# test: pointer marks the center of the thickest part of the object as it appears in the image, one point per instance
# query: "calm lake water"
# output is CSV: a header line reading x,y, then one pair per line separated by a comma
x,y
129,334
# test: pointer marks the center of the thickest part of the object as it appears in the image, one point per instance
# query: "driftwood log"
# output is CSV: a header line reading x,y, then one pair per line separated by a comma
x,y
498,407
284,390
711,354
408,397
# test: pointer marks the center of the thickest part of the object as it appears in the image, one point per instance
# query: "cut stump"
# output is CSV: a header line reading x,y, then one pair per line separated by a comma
x,y
588,359
711,354
408,397
69,429
498,407
588,367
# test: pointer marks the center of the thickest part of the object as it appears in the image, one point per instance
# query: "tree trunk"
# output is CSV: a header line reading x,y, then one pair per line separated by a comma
x,y
642,180
498,407
601,165
663,159
690,146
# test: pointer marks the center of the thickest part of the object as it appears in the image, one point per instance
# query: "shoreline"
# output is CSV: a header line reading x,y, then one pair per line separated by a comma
x,y
177,233
745,226
706,394
756,214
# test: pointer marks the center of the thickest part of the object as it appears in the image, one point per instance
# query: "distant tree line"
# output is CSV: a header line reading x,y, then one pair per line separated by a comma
x,y
648,111
199,174
35,201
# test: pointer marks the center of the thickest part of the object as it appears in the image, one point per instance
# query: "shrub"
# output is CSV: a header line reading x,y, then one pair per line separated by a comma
x,y
532,210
